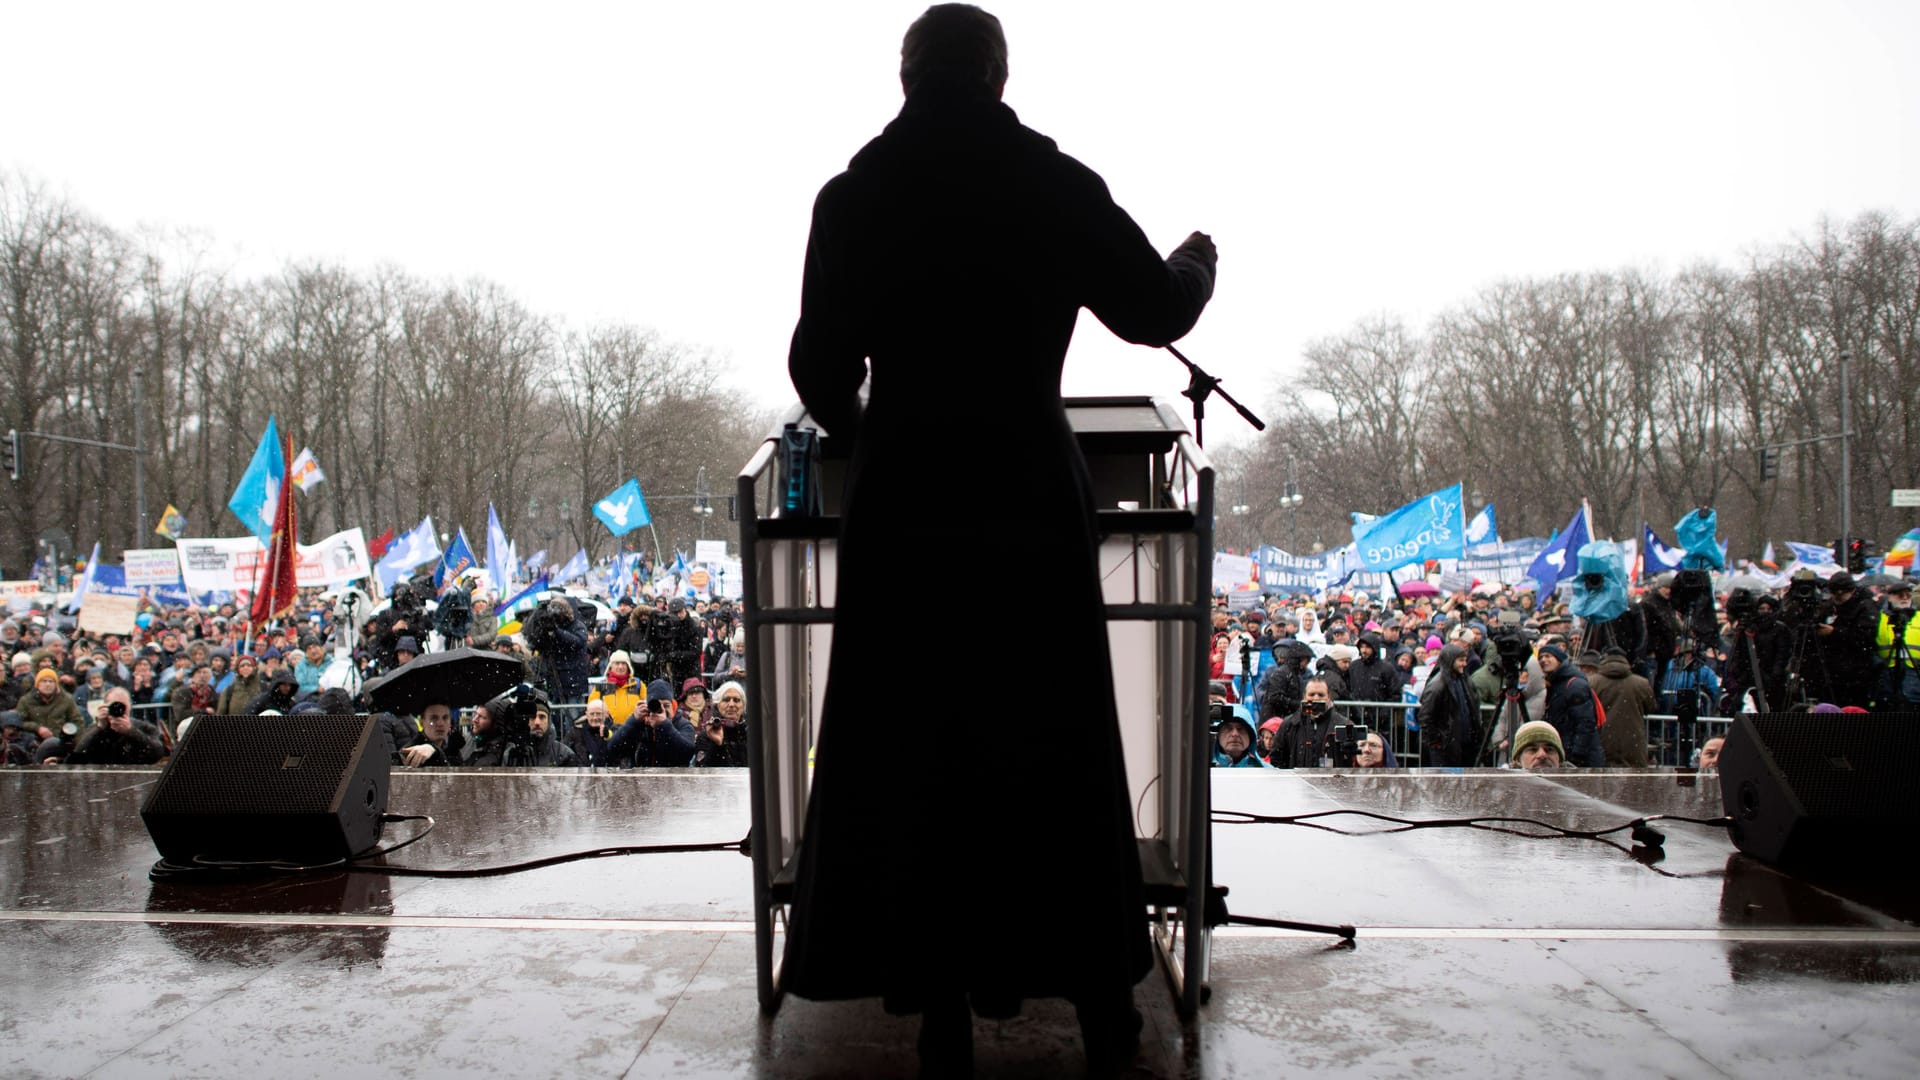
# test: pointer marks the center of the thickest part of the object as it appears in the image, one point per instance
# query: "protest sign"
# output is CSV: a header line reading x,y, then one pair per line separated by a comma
x,y
232,564
106,613
152,566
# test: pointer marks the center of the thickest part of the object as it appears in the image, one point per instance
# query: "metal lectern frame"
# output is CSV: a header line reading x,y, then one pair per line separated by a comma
x,y
1154,490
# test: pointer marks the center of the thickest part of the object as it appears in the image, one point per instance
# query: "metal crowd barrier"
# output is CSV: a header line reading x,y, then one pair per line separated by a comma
x,y
1671,742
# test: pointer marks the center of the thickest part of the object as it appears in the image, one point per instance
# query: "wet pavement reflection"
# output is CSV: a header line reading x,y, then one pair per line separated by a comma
x,y
1700,962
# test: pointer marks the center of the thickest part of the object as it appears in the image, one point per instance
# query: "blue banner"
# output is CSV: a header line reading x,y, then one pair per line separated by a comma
x,y
257,496
1559,559
1426,528
1482,530
624,510
458,560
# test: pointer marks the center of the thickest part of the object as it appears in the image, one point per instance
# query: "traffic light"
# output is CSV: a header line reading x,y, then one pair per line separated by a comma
x,y
1769,463
1859,550
10,454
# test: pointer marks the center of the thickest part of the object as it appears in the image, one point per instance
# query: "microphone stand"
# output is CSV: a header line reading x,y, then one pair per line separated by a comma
x,y
1199,386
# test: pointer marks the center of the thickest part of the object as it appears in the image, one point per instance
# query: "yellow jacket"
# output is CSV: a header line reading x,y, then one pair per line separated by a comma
x,y
622,702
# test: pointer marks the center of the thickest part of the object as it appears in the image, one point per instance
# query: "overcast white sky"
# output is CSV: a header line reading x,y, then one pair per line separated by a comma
x,y
654,163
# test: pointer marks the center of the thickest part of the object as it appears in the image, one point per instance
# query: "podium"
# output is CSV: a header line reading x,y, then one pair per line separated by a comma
x,y
1153,490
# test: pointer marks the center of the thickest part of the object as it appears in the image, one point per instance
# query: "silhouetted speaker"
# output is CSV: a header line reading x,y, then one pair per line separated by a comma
x,y
1821,791
300,789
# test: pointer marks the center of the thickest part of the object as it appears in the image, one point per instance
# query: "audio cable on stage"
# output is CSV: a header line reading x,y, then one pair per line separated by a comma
x,y
208,869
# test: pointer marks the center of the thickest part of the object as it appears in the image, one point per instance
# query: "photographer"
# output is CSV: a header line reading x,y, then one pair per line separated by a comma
x,y
1757,655
515,729
118,739
559,646
652,738
723,738
1280,689
1846,644
1303,737
1897,639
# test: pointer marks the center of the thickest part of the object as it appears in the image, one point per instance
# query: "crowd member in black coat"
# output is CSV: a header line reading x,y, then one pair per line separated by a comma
x,y
1570,708
537,748
440,744
1847,644
1279,691
722,741
654,735
279,696
1661,628
1449,712
19,745
1757,652
684,641
1303,736
559,644
590,738
117,738
1372,677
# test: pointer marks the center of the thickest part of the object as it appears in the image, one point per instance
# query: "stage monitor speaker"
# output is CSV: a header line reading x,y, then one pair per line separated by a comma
x,y
1821,792
303,789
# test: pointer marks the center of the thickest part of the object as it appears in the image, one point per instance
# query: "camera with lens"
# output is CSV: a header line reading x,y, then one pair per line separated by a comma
x,y
513,712
1743,607
1217,712
1806,602
1343,742
1513,642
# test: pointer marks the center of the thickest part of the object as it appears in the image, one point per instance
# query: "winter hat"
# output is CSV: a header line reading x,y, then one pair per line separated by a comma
x,y
1554,651
1433,641
1537,731
659,690
21,658
246,658
46,674
407,644
1343,652
620,656
690,686
1272,725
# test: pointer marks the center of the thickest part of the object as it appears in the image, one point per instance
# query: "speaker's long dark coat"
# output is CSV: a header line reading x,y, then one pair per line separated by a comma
x,y
939,854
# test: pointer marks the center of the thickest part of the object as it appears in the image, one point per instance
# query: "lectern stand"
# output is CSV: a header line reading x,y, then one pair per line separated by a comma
x,y
1153,487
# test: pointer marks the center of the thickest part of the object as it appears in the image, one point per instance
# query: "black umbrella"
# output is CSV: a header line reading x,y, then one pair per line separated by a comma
x,y
453,678
1879,579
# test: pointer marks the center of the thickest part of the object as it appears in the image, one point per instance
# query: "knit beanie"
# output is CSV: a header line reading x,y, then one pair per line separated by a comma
x,y
1537,731
1554,651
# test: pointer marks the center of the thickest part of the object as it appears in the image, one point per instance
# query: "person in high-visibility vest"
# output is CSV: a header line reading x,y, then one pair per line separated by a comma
x,y
1897,644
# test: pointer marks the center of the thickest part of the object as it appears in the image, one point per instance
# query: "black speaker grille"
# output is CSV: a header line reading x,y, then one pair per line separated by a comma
x,y
259,765
1843,766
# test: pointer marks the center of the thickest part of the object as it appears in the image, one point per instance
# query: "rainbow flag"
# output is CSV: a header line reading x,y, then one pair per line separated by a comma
x,y
1902,553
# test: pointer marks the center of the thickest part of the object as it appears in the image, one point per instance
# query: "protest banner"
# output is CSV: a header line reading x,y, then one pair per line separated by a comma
x,y
152,566
20,595
710,552
232,564
106,613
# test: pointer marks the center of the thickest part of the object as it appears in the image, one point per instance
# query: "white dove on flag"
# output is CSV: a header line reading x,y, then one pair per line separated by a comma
x,y
1558,558
617,511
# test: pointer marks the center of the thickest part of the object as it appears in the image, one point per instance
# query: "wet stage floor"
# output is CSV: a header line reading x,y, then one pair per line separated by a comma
x,y
1480,953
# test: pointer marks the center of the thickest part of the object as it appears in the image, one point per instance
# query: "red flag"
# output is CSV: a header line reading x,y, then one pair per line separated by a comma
x,y
378,548
278,588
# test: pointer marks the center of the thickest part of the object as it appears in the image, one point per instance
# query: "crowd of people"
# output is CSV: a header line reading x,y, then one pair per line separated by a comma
x,y
1299,682
1296,682
660,682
